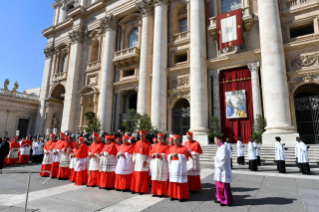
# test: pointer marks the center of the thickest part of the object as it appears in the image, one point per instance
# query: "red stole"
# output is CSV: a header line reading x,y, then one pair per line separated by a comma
x,y
83,152
194,146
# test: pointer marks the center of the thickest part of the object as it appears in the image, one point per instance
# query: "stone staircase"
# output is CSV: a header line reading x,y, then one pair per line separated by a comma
x,y
267,154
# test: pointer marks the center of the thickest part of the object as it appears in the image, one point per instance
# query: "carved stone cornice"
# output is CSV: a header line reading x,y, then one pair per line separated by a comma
x,y
146,7
161,2
109,22
253,67
77,36
49,51
304,62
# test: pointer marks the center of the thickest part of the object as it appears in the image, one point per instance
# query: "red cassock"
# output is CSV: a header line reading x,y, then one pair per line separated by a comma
x,y
80,169
193,166
24,157
14,160
140,181
160,187
64,168
72,164
107,166
57,157
178,190
123,181
47,160
94,174
118,146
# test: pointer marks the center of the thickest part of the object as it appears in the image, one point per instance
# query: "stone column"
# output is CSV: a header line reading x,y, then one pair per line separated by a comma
x,y
198,72
71,98
109,23
44,90
255,86
118,110
159,79
144,92
274,79
216,96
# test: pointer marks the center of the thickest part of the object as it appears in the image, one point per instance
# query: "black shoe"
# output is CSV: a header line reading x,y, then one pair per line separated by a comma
x,y
154,195
181,200
172,199
117,189
161,196
221,204
60,179
216,201
140,193
133,192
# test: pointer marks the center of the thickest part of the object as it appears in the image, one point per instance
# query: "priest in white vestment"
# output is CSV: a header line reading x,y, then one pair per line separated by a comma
x,y
280,156
37,147
240,152
257,148
303,158
252,157
297,150
230,149
223,174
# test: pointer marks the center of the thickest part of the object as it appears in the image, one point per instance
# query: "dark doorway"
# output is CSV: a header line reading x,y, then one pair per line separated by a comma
x,y
133,101
307,113
23,127
181,117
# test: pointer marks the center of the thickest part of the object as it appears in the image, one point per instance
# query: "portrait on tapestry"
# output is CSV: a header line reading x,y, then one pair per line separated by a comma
x,y
236,104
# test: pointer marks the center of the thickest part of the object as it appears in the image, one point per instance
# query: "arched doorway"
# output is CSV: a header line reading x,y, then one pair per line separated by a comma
x,y
181,117
306,99
55,108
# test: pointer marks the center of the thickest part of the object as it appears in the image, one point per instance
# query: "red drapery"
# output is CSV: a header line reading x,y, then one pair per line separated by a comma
x,y
233,80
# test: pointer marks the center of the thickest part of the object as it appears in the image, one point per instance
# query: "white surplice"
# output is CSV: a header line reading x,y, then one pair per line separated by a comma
x,y
229,148
65,157
297,149
37,148
240,149
81,164
48,158
251,151
303,153
222,165
280,151
178,169
107,162
160,168
94,162
72,162
57,157
125,164
193,165
139,160
25,150
13,154
257,148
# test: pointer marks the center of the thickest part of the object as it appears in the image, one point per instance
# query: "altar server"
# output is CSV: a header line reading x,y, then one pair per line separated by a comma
x,y
13,153
280,156
108,163
25,147
223,174
240,152
252,155
177,158
193,165
48,156
230,149
125,166
94,155
57,156
255,143
82,163
73,161
297,150
159,167
141,159
37,147
64,167
303,158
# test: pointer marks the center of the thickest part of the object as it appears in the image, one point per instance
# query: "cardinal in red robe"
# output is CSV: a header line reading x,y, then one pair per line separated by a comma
x,y
124,166
108,163
13,153
57,156
64,168
73,161
82,163
25,147
118,142
48,156
193,165
159,166
141,158
94,155
177,158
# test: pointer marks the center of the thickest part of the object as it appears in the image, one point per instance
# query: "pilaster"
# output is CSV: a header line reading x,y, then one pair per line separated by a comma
x,y
254,69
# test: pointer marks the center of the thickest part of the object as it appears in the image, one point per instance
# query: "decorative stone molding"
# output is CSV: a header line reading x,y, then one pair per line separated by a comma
x,y
77,36
295,81
180,82
48,52
127,57
181,94
215,73
109,22
146,7
253,67
95,66
161,2
92,79
304,62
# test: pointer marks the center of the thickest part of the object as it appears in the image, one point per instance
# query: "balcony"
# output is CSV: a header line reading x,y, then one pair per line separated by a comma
x,y
59,76
292,6
127,57
180,37
94,66
18,95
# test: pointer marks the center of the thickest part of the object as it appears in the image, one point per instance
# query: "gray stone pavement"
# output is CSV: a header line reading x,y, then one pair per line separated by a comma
x,y
264,191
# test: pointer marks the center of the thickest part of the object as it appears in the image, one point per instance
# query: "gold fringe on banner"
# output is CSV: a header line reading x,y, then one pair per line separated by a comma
x,y
235,80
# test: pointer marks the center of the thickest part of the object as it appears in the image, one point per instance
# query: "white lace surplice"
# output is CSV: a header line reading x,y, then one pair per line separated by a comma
x,y
94,163
178,169
160,168
107,162
13,154
193,165
25,150
280,151
81,164
125,165
48,158
139,161
65,158
240,149
57,157
222,165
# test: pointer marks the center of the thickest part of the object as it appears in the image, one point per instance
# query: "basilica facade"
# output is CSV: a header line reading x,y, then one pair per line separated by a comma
x,y
168,59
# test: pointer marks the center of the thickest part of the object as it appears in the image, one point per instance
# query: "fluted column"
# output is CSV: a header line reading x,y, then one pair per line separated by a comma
x,y
216,96
198,69
255,86
109,24
159,79
144,91
274,79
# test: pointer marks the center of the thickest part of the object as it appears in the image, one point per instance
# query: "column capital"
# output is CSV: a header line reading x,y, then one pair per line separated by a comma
x,y
109,22
161,2
146,7
253,67
77,36
214,73
49,51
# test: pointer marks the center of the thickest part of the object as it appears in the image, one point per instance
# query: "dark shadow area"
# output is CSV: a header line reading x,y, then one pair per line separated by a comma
x,y
238,189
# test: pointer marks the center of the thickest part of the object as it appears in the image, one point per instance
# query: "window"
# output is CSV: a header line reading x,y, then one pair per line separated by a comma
x,y
230,5
302,30
181,58
133,38
95,51
183,25
64,63
128,73
69,7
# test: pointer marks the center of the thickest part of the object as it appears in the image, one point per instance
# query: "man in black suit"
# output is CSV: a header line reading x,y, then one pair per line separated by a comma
x,y
4,151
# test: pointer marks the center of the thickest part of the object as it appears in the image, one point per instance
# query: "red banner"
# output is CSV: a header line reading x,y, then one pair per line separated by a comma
x,y
238,40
